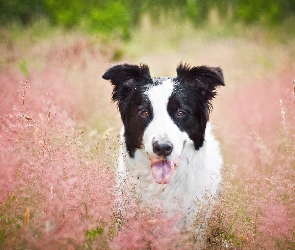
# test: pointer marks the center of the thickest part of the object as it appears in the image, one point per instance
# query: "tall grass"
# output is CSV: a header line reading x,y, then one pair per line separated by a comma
x,y
54,192
58,132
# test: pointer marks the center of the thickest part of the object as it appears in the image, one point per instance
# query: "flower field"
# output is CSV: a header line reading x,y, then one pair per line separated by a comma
x,y
59,139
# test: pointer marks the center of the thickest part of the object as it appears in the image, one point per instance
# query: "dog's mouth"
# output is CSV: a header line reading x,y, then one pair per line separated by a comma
x,y
163,171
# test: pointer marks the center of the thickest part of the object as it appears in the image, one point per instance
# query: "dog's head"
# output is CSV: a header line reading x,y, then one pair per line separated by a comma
x,y
160,115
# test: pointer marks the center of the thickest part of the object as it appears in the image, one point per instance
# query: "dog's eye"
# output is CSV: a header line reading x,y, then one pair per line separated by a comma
x,y
180,113
144,113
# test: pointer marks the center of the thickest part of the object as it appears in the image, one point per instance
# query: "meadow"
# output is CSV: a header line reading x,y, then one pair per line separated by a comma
x,y
59,137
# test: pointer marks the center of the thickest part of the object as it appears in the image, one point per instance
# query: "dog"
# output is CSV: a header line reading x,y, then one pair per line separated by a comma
x,y
168,151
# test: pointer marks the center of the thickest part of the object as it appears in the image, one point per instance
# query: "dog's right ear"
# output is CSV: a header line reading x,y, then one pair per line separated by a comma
x,y
124,78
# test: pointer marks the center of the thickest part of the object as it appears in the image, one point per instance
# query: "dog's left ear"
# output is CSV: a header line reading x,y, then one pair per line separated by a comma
x,y
205,78
124,78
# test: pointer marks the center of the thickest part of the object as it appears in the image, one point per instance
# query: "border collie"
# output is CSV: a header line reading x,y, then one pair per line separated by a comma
x,y
168,151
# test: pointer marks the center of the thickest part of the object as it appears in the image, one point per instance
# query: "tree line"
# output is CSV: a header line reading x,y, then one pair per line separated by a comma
x,y
120,16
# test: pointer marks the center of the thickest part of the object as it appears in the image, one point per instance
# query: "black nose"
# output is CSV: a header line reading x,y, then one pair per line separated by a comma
x,y
162,149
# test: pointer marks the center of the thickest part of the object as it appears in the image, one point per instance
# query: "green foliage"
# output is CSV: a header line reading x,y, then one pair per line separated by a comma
x,y
23,11
94,233
65,12
119,17
264,11
24,68
112,17
10,223
98,16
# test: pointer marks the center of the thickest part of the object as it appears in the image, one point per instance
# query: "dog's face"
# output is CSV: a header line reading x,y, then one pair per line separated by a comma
x,y
161,115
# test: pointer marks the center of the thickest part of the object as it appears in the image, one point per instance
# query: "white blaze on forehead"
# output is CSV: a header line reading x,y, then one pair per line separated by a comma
x,y
162,128
159,96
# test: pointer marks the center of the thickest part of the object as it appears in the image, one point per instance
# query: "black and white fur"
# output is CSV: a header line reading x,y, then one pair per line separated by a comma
x,y
165,127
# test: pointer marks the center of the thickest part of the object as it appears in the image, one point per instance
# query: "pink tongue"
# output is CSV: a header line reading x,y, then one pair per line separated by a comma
x,y
163,171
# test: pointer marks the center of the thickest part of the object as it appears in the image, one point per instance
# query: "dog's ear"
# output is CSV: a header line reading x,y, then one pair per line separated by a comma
x,y
206,79
125,77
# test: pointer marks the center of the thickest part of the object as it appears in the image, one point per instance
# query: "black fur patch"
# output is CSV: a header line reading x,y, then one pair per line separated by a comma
x,y
194,90
130,83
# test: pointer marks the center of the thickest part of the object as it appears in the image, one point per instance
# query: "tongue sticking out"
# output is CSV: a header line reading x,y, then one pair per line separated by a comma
x,y
162,171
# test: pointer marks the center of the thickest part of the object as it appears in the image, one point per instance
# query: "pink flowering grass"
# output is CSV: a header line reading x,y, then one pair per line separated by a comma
x,y
258,216
259,134
145,226
256,206
145,229
58,128
54,192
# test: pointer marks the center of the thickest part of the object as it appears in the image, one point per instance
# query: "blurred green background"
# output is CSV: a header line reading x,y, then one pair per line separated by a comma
x,y
119,16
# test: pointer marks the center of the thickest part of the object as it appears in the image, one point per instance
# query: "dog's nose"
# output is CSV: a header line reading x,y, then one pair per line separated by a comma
x,y
162,149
